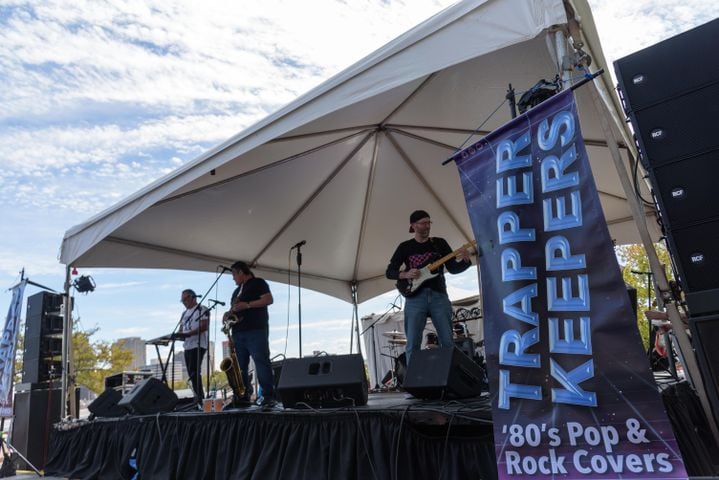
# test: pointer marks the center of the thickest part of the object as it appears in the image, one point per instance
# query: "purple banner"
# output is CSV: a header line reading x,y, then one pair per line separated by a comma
x,y
572,393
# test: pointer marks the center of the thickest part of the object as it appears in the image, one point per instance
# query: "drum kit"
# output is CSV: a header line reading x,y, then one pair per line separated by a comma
x,y
395,340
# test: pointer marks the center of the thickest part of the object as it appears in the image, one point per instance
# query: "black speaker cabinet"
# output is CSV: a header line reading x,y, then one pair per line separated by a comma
x,y
443,373
325,381
35,412
106,405
43,338
670,68
679,127
705,340
149,396
670,93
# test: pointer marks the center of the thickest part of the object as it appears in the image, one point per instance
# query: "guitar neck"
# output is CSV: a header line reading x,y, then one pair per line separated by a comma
x,y
438,263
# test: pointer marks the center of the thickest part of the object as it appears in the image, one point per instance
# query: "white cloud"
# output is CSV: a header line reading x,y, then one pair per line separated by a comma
x,y
101,98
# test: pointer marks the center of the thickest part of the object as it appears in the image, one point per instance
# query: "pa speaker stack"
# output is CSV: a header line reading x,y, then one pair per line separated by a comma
x,y
670,93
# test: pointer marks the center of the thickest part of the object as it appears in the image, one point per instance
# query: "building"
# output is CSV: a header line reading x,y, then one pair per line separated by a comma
x,y
137,346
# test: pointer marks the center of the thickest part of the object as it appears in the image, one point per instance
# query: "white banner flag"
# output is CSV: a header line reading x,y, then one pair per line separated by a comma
x,y
8,343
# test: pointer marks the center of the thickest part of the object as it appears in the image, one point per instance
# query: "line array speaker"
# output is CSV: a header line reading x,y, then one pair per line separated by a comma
x,y
42,349
325,381
669,92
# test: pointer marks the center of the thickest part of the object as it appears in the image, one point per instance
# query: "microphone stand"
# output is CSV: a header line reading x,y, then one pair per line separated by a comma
x,y
299,294
209,289
204,297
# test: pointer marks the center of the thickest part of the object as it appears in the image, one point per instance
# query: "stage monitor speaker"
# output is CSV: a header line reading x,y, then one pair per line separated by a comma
x,y
324,381
705,340
106,405
35,412
670,68
149,396
443,373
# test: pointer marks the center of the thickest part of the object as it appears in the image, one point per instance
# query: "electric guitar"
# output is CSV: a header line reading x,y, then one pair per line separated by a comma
x,y
408,286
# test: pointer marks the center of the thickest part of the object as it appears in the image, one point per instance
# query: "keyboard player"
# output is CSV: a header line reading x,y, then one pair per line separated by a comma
x,y
193,328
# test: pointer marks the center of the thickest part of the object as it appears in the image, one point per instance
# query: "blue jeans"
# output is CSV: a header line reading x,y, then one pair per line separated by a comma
x,y
427,302
254,343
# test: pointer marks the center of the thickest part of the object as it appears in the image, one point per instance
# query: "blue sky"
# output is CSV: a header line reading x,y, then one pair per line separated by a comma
x,y
98,99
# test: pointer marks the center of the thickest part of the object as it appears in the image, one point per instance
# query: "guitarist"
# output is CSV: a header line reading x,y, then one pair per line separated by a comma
x,y
431,298
251,334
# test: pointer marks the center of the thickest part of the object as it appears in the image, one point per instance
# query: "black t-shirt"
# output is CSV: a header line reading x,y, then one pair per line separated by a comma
x,y
414,254
252,318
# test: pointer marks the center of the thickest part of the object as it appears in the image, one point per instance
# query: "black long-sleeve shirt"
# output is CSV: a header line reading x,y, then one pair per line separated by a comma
x,y
414,254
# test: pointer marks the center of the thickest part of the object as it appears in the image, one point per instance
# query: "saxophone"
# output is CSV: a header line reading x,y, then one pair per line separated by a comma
x,y
230,365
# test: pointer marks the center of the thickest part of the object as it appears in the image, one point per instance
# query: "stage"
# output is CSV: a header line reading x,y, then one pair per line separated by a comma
x,y
392,437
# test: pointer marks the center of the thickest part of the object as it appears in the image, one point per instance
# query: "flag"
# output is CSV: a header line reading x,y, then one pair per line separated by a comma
x,y
8,344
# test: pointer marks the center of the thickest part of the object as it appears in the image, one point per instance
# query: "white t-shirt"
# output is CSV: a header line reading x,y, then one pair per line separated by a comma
x,y
191,321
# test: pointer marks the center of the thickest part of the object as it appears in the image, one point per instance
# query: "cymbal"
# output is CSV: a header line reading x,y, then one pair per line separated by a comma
x,y
394,334
399,341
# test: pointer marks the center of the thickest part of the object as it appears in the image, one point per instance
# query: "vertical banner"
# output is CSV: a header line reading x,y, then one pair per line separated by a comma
x,y
572,393
8,343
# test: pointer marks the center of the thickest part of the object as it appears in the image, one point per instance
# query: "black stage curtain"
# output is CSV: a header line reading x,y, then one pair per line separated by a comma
x,y
312,446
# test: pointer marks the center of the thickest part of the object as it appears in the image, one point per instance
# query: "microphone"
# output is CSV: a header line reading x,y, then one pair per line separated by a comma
x,y
298,244
216,302
224,268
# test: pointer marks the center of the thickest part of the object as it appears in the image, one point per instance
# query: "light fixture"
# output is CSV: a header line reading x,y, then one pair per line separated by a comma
x,y
84,284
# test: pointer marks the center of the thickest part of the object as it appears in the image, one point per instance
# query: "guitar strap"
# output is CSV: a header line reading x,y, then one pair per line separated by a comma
x,y
434,247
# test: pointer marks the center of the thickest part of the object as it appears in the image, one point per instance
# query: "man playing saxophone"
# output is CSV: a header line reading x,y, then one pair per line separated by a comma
x,y
250,334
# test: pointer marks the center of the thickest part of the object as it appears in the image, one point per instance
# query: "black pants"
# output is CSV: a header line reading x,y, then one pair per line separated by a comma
x,y
193,363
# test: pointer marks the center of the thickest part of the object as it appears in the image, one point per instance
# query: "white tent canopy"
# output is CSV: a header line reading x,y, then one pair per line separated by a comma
x,y
343,166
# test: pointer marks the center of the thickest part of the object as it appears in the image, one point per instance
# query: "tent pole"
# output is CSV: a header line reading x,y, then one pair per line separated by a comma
x,y
66,348
659,275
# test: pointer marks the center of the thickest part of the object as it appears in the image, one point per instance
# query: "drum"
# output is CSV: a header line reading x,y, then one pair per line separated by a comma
x,y
400,369
431,340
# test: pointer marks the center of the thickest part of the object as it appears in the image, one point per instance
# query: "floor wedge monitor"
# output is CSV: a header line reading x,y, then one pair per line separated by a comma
x,y
444,373
324,381
149,396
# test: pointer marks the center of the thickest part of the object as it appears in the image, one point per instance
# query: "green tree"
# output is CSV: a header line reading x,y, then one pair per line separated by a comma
x,y
633,258
95,360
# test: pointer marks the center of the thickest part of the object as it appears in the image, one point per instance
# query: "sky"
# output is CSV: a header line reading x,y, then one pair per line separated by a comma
x,y
98,99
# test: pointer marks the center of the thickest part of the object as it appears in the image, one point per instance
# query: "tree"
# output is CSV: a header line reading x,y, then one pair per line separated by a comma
x,y
633,258
96,360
